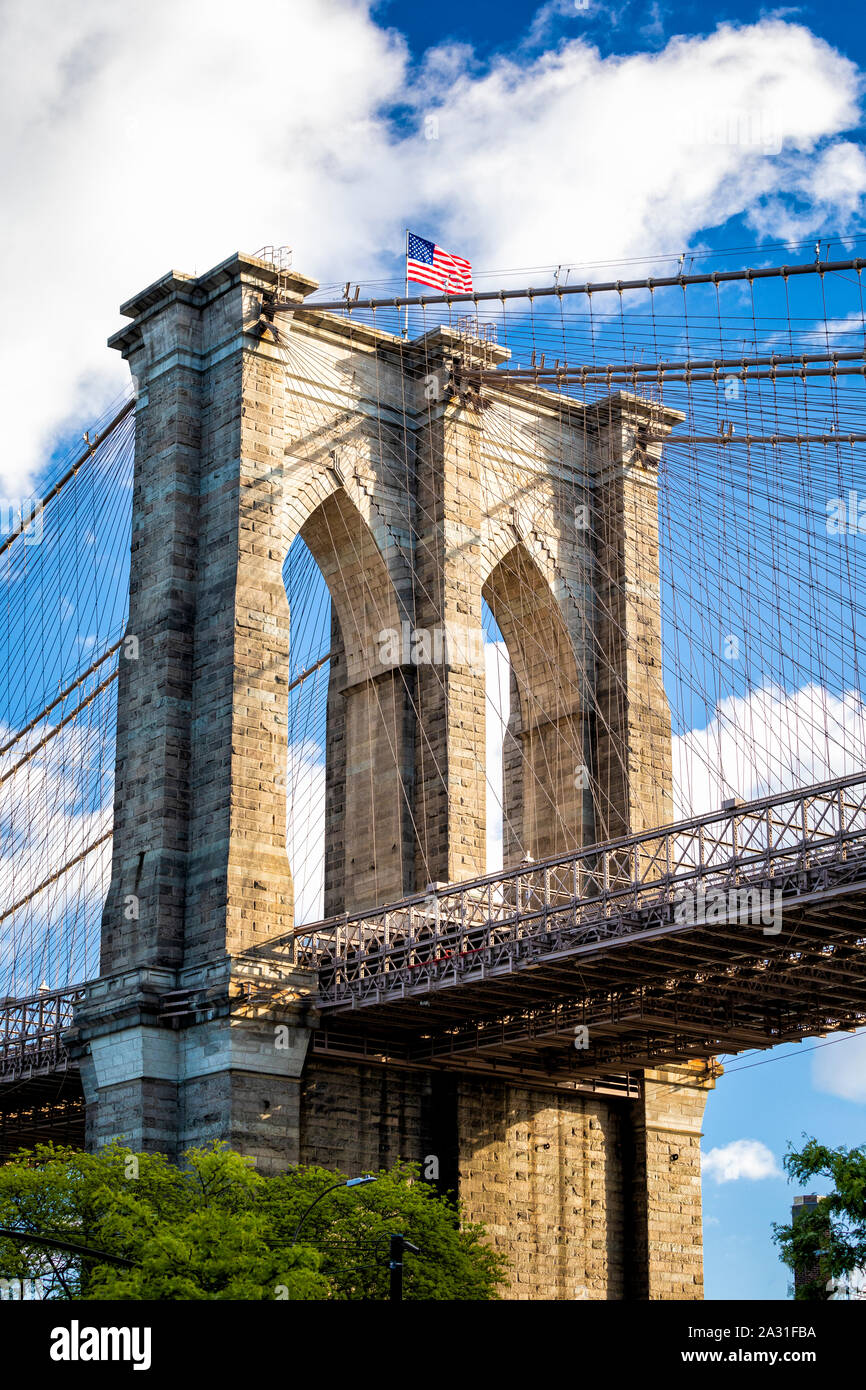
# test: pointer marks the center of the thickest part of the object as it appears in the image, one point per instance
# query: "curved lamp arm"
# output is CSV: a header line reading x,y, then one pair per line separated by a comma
x,y
349,1182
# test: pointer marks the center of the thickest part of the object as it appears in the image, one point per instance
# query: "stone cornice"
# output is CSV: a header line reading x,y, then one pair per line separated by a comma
x,y
177,286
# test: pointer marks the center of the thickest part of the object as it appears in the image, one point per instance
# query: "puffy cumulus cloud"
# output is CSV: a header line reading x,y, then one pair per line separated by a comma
x,y
55,803
768,741
144,136
837,179
305,794
305,828
828,188
841,1070
171,133
742,1158
498,708
625,153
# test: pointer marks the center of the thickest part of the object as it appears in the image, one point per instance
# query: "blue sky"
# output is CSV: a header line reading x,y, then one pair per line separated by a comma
x,y
490,27
775,1097
142,137
148,136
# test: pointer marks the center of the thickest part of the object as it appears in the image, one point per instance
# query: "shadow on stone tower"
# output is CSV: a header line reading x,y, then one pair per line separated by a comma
x,y
419,501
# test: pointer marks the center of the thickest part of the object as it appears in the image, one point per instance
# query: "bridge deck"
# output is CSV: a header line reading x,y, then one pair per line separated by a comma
x,y
502,971
497,975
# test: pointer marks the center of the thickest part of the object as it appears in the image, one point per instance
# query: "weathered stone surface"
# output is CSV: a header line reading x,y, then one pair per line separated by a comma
x,y
417,505
577,1191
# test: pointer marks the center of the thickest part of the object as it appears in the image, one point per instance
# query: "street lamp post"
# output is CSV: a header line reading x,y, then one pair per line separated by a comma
x,y
398,1244
348,1182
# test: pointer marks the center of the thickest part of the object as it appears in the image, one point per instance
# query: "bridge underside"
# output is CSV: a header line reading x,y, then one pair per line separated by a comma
x,y
646,992
567,1002
41,1109
577,975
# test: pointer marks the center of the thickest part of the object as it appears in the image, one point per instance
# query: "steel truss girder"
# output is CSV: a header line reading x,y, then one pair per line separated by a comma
x,y
598,931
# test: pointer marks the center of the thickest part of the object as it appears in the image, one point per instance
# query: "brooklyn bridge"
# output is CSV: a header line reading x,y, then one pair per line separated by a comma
x,y
434,730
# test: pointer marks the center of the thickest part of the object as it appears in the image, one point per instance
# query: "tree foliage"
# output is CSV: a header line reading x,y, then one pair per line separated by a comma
x,y
351,1230
217,1229
827,1241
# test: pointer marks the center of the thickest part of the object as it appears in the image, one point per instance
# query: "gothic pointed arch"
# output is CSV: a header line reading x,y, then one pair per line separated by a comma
x,y
546,800
368,854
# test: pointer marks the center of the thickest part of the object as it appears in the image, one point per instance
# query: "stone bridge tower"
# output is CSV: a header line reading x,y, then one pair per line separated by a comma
x,y
418,500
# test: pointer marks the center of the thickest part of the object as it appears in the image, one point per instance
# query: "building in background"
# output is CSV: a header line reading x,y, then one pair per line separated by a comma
x,y
850,1286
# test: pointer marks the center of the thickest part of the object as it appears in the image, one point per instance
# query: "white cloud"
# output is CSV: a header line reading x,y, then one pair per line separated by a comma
x,y
53,806
742,1158
140,137
639,150
766,742
305,834
830,187
840,1070
305,792
498,708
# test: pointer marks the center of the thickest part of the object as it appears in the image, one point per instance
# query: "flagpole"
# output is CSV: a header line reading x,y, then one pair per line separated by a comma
x,y
406,324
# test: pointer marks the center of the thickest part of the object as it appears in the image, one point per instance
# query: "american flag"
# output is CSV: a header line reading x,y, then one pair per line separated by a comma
x,y
428,264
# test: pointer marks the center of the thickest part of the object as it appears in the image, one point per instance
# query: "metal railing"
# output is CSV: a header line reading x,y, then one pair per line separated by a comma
x,y
803,843
494,924
31,1032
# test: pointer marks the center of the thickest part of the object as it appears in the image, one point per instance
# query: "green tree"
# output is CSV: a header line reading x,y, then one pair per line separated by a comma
x,y
827,1241
217,1229
351,1230
193,1233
